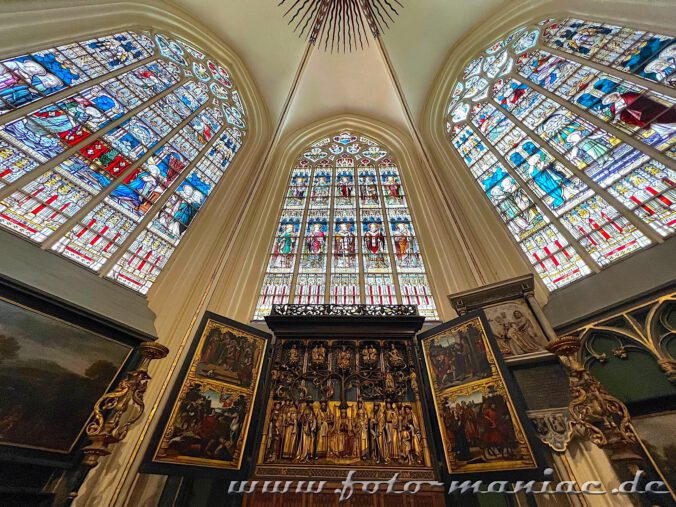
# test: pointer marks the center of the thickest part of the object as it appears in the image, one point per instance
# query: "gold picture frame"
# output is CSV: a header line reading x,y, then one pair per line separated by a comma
x,y
207,423
481,427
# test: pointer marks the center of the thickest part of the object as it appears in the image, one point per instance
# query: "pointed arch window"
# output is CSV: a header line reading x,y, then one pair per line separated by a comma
x,y
569,128
110,146
346,234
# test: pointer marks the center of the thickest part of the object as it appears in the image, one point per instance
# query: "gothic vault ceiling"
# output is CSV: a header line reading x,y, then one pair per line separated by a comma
x,y
417,45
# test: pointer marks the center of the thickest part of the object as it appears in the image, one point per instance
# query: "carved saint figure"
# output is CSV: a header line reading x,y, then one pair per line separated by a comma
x,y
361,430
391,432
344,436
274,432
290,431
318,355
389,382
293,356
344,358
369,355
376,425
394,357
521,333
411,437
325,426
308,428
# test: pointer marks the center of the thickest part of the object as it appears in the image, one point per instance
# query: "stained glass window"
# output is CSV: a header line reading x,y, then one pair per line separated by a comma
x,y
109,148
569,128
345,234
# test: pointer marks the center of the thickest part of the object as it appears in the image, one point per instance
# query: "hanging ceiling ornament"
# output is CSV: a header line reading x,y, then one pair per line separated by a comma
x,y
342,23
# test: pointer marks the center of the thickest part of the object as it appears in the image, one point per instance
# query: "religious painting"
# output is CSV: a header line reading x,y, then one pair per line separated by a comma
x,y
206,424
344,403
458,357
228,356
656,433
51,374
515,328
511,310
482,427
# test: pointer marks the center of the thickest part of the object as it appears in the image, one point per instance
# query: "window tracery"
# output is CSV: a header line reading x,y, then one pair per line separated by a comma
x,y
569,128
345,234
109,148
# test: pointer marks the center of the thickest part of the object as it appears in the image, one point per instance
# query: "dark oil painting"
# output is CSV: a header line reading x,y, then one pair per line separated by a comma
x,y
207,425
228,357
458,356
51,374
479,432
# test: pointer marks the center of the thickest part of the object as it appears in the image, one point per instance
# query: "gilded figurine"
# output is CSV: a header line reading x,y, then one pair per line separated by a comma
x,y
325,425
293,356
318,356
361,429
395,357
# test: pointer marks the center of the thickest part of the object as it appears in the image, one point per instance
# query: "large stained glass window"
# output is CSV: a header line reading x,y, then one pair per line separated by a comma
x,y
569,128
345,234
110,146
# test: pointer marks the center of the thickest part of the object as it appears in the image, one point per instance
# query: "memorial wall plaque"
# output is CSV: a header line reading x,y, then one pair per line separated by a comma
x,y
513,314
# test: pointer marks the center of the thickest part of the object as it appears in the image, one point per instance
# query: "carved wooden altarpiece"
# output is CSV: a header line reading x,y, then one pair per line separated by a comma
x,y
343,394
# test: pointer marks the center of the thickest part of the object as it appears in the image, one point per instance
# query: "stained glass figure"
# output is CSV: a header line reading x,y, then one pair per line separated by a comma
x,y
345,234
113,171
576,159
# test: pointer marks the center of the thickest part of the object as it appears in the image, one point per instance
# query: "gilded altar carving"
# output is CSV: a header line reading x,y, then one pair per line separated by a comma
x,y
339,403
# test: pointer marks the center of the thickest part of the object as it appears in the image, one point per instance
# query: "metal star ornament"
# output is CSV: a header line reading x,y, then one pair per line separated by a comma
x,y
342,24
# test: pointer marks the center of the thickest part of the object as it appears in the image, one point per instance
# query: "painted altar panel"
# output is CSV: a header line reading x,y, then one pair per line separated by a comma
x,y
206,424
344,404
481,427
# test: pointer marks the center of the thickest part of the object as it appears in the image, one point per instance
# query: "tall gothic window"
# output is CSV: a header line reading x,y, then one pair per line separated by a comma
x,y
110,146
345,235
569,127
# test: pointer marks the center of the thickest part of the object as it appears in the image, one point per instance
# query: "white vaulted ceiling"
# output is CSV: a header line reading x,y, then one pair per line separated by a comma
x,y
328,84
